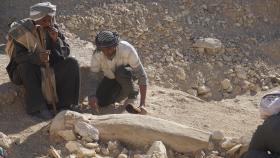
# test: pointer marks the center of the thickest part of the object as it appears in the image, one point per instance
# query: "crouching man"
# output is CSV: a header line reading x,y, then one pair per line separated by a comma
x,y
115,65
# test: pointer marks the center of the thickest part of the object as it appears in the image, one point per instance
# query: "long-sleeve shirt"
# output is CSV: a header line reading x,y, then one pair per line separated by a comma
x,y
126,54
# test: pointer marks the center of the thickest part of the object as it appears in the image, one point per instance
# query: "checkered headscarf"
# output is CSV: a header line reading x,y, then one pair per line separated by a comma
x,y
107,39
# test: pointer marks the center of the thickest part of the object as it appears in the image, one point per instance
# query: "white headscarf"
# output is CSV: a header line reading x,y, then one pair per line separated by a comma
x,y
40,10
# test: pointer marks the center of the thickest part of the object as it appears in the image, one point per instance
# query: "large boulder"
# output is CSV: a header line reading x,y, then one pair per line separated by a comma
x,y
136,130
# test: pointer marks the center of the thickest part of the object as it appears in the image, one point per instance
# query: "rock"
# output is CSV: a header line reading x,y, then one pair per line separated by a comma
x,y
192,92
204,6
169,59
177,72
122,156
265,88
217,135
112,145
71,156
226,84
200,154
76,147
228,143
73,146
158,149
241,75
84,152
124,151
99,156
201,50
244,84
141,156
67,135
91,145
181,75
179,54
234,149
213,156
105,151
202,90
210,45
253,88
115,153
5,141
87,131
57,125
227,58
215,140
70,24
189,20
97,150
114,127
171,154
240,72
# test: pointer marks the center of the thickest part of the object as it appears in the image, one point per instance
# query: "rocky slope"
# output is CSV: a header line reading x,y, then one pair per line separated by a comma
x,y
168,35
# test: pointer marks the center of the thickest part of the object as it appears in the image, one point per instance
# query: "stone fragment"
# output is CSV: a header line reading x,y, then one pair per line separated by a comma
x,y
217,135
87,131
91,145
67,135
226,84
122,156
84,152
202,90
73,146
5,141
157,148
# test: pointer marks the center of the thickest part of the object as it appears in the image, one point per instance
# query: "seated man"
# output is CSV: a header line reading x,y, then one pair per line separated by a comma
x,y
119,63
266,139
33,44
265,142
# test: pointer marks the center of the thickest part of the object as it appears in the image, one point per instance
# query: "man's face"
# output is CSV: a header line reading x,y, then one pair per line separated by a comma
x,y
109,52
45,22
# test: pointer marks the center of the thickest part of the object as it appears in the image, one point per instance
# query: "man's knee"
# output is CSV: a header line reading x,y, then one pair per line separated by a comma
x,y
123,72
71,62
27,71
27,68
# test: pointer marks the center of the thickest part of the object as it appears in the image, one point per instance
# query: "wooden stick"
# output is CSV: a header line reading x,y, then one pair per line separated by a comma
x,y
54,153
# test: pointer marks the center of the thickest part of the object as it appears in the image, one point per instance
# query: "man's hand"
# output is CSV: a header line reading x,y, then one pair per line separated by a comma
x,y
44,57
53,34
93,102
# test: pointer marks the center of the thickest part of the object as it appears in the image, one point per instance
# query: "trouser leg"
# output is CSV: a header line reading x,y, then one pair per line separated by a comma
x,y
30,76
124,78
67,75
107,91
